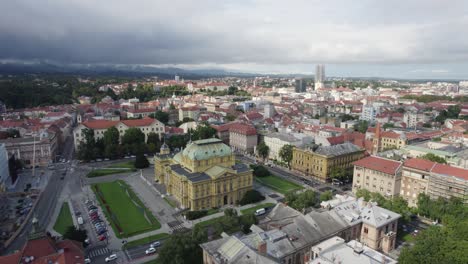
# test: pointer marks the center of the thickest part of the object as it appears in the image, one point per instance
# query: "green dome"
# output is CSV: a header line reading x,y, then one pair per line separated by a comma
x,y
206,148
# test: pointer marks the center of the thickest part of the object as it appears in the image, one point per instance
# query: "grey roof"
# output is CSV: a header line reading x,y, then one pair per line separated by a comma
x,y
240,167
337,150
283,137
191,176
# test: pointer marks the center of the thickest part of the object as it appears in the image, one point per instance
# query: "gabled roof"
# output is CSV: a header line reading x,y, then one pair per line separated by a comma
x,y
419,164
379,164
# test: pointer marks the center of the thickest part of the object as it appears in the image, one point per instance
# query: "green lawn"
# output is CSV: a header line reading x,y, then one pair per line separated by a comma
x,y
64,219
122,212
170,202
278,184
212,211
103,172
124,165
145,240
255,208
209,222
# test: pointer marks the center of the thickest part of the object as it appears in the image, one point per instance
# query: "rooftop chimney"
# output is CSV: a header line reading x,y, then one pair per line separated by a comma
x,y
262,247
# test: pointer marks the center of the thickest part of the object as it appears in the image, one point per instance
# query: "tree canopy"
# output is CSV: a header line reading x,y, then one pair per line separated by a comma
x,y
286,154
302,200
263,150
133,135
434,158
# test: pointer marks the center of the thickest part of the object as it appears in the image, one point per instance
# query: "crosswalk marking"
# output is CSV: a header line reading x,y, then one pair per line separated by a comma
x,y
98,252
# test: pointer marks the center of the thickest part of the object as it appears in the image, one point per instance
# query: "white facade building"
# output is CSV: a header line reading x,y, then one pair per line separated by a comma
x,y
276,141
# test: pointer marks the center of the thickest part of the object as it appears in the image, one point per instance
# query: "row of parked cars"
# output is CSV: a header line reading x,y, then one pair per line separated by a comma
x,y
96,221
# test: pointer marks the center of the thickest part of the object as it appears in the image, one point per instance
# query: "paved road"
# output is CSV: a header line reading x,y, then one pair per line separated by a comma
x,y
47,201
139,251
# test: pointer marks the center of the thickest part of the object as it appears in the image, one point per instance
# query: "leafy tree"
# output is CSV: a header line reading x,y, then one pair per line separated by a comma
x,y
363,193
177,141
434,158
179,248
301,201
286,154
203,131
111,151
153,138
346,117
325,196
251,196
111,136
362,126
13,133
246,221
263,150
338,173
75,234
141,161
387,125
260,171
161,116
133,135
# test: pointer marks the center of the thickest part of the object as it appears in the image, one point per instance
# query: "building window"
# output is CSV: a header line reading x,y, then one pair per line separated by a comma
x,y
366,230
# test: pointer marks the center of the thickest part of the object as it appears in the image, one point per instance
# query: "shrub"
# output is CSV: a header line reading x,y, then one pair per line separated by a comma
x,y
191,215
141,162
251,196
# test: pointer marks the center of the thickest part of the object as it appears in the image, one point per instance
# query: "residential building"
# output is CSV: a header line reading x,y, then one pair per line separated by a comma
x,y
336,250
269,111
415,179
39,150
192,112
42,249
243,137
369,113
146,125
140,113
4,169
446,181
386,140
276,141
377,174
203,175
318,162
288,236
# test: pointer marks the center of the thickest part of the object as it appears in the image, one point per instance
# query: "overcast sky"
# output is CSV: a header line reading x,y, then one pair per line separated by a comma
x,y
397,38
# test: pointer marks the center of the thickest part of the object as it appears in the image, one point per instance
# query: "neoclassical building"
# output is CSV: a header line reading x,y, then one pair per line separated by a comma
x,y
203,175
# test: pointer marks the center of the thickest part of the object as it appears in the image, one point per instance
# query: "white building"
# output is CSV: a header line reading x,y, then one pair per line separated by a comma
x,y
369,113
269,111
275,141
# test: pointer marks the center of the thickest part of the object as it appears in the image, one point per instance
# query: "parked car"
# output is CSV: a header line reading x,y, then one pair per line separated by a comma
x,y
80,220
155,244
87,261
92,207
260,211
92,211
102,237
111,258
337,182
150,251
101,231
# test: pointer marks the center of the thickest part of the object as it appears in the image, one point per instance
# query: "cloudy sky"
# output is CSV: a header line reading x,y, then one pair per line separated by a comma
x,y
398,38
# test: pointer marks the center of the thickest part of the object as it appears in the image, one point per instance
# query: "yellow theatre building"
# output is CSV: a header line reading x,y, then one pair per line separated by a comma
x,y
203,175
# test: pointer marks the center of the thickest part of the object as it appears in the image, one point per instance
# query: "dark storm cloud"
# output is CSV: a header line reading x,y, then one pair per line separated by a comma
x,y
241,32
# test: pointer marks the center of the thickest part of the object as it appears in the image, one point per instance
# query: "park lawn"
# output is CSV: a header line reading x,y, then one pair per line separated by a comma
x,y
255,208
212,211
64,219
209,222
123,165
103,172
145,240
121,211
278,184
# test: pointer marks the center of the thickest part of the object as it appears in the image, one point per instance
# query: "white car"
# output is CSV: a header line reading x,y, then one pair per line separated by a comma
x,y
155,244
150,251
111,257
87,261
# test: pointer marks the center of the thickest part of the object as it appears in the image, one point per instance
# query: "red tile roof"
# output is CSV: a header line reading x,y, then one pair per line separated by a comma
x,y
100,124
139,122
379,164
243,129
447,170
419,164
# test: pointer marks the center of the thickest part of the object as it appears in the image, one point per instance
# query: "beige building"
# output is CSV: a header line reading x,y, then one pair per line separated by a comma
x,y
319,163
275,141
192,112
415,179
39,150
377,174
203,175
243,137
434,179
146,125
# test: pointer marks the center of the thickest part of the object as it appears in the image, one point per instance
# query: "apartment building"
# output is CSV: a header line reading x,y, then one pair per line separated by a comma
x,y
276,141
377,174
415,179
317,163
243,137
192,112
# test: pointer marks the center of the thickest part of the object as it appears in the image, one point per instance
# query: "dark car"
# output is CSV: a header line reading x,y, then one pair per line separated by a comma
x,y
92,207
101,231
102,237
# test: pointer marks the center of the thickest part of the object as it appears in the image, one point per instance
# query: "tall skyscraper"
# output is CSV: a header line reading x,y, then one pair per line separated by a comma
x,y
319,76
300,85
